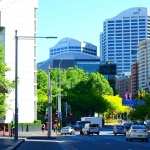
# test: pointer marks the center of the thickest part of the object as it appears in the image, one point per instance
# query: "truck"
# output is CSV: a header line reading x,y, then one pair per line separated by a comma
x,y
92,126
93,120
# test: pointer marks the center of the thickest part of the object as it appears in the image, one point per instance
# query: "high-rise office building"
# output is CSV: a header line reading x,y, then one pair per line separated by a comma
x,y
121,36
134,79
69,52
20,15
73,45
144,65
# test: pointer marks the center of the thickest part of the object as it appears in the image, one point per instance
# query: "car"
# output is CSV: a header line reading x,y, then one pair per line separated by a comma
x,y
147,123
94,129
89,129
127,125
67,130
119,129
137,132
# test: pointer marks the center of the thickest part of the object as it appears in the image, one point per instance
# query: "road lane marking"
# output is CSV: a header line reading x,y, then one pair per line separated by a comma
x,y
41,140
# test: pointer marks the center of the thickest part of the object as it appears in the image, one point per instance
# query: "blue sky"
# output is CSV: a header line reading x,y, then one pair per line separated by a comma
x,y
79,19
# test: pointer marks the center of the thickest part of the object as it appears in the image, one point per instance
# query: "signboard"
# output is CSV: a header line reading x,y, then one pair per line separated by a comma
x,y
132,102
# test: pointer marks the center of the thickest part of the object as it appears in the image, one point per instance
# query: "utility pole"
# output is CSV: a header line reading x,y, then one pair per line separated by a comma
x,y
16,82
59,95
66,109
49,103
16,86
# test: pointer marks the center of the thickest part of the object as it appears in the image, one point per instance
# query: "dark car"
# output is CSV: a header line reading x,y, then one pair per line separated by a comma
x,y
119,129
127,126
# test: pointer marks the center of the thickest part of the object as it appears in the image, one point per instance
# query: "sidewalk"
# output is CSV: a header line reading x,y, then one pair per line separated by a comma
x,y
39,133
8,143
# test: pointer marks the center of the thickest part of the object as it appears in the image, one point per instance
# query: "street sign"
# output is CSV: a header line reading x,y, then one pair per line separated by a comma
x,y
132,102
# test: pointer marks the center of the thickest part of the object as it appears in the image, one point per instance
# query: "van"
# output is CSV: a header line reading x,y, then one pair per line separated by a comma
x,y
91,129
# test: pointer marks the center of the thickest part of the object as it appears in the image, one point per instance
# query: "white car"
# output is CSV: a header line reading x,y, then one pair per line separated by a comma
x,y
91,129
67,130
119,129
137,132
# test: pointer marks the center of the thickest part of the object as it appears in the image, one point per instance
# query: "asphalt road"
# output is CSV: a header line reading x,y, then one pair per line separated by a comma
x,y
105,141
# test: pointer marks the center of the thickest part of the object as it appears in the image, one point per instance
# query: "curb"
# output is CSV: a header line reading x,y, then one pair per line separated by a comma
x,y
41,138
16,145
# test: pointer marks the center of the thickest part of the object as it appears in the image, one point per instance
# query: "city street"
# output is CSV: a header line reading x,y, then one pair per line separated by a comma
x,y
105,141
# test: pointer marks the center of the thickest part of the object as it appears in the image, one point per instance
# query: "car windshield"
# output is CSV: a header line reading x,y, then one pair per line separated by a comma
x,y
66,127
138,127
93,125
120,127
127,124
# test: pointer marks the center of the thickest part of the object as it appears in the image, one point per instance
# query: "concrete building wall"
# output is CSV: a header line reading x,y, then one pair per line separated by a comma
x,y
134,80
123,86
144,65
20,15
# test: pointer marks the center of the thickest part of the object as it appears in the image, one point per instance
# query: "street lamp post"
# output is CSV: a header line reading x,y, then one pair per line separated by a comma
x,y
59,94
16,75
16,85
49,103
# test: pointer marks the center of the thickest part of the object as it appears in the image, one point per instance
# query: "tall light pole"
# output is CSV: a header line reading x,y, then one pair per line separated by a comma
x,y
59,94
49,103
16,72
16,85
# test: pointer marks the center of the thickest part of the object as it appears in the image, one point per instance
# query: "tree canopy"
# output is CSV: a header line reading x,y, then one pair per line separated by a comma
x,y
86,97
142,112
115,104
5,84
86,93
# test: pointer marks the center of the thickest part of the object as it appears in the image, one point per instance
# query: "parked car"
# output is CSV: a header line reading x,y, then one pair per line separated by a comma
x,y
119,129
137,132
67,130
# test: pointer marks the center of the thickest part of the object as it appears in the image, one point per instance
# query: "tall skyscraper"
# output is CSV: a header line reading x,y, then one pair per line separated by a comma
x,y
144,65
121,36
20,15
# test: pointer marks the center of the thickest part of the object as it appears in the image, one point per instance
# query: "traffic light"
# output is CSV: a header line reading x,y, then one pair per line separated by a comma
x,y
56,114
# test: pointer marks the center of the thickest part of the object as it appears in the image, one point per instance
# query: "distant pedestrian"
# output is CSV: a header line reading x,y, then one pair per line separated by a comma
x,y
27,128
54,127
12,128
43,127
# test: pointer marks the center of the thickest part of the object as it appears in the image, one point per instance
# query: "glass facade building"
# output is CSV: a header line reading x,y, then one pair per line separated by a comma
x,y
72,45
88,63
121,36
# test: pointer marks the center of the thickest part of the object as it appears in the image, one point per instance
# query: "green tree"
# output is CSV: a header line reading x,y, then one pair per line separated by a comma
x,y
87,95
5,84
42,86
70,78
42,91
142,112
99,84
83,91
42,80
